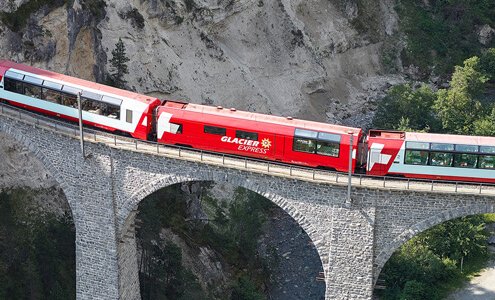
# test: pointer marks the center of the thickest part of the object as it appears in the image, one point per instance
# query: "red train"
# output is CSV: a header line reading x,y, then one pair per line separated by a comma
x,y
243,133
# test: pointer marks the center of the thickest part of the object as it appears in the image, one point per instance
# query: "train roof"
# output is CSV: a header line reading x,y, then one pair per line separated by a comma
x,y
433,137
231,116
5,65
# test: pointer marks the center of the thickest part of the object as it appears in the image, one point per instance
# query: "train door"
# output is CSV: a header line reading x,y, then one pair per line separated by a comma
x,y
376,164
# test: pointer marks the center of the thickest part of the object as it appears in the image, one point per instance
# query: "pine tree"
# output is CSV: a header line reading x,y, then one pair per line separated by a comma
x,y
119,65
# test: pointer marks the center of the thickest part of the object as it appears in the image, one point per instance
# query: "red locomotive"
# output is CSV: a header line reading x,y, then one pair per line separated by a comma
x,y
287,140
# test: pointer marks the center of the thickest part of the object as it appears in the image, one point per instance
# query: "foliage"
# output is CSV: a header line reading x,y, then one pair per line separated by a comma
x,y
456,239
37,252
428,266
119,64
232,231
440,34
245,290
404,107
459,107
17,19
466,107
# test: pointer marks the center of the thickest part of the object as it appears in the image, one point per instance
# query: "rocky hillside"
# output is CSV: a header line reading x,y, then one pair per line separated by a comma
x,y
318,59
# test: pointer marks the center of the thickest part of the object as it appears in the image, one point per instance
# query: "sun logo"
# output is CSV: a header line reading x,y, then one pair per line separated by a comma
x,y
265,143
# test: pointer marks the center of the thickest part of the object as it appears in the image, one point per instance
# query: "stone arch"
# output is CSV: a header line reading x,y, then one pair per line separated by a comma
x,y
419,227
40,155
167,180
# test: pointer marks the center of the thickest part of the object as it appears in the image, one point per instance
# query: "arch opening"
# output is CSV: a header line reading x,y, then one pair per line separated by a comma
x,y
229,240
434,257
37,232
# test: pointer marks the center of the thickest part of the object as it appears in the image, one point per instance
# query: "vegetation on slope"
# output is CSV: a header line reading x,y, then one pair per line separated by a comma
x,y
37,251
437,261
442,34
232,231
466,107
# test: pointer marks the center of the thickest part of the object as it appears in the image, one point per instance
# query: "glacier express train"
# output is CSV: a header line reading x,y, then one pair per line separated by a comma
x,y
287,140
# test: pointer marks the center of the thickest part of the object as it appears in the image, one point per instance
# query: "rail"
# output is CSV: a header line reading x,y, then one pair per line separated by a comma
x,y
240,162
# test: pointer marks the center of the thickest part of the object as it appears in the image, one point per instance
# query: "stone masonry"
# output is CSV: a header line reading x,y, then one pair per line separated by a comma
x,y
353,241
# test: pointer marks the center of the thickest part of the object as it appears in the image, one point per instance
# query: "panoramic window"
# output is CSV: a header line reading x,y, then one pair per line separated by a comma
x,y
416,157
442,147
12,85
304,145
246,135
69,100
487,162
466,148
418,145
441,159
464,160
52,96
32,90
487,149
214,130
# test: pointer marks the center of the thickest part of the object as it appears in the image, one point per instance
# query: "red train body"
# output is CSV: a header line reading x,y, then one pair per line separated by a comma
x,y
287,140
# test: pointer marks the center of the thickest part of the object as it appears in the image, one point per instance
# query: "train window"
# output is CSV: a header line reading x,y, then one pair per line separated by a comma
x,y
329,137
91,106
14,75
487,149
69,100
14,86
416,157
418,145
466,148
246,135
487,162
328,148
110,111
128,116
52,85
32,90
463,160
33,80
304,145
112,101
442,147
215,130
52,96
71,90
442,159
175,128
305,133
91,95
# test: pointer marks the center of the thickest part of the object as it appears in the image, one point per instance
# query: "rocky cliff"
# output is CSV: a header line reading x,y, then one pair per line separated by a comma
x,y
318,60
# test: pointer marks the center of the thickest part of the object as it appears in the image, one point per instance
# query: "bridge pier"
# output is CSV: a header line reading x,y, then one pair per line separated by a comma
x,y
349,273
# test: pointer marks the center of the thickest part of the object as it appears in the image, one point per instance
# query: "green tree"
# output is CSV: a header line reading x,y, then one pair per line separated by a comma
x,y
458,107
457,239
119,65
486,125
404,107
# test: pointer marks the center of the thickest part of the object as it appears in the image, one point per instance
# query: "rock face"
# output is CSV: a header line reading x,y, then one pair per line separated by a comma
x,y
310,59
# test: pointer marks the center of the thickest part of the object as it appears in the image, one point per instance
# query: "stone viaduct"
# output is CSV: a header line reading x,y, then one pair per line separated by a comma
x,y
354,240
